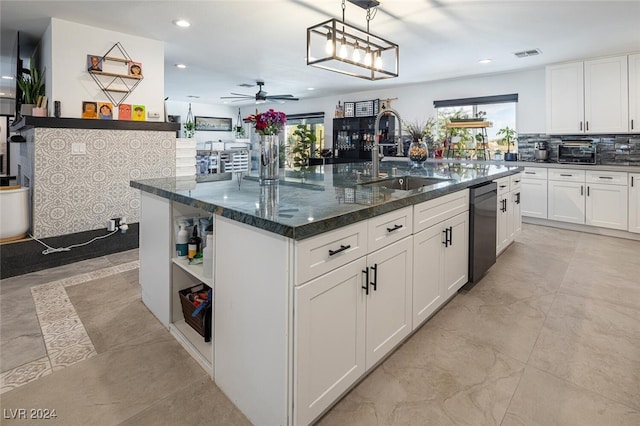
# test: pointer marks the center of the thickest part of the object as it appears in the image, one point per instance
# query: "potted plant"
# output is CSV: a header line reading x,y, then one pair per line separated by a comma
x,y
189,129
304,139
508,139
32,86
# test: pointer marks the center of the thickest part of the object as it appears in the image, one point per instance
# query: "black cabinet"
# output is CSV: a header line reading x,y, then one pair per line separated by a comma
x,y
353,137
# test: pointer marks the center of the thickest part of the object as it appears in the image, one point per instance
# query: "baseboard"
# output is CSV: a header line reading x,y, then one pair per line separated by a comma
x,y
582,228
24,256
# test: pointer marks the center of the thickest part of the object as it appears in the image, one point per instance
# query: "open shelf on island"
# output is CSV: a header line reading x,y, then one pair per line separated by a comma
x,y
195,270
193,343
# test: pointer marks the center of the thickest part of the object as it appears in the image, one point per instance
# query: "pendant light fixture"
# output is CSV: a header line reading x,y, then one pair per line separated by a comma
x,y
337,46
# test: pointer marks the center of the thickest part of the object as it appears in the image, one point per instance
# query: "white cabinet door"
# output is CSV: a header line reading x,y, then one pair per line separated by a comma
x,y
330,338
606,206
606,95
566,201
565,98
427,273
534,198
388,317
634,93
515,218
502,223
634,202
456,255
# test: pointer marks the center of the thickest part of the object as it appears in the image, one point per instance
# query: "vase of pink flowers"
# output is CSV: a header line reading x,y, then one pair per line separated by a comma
x,y
268,125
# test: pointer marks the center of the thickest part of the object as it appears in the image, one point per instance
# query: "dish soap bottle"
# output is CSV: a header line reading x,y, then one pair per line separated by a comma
x,y
182,240
194,243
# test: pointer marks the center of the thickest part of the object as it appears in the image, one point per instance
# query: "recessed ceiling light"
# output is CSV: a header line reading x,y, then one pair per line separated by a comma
x,y
181,66
193,96
484,61
311,88
7,77
182,23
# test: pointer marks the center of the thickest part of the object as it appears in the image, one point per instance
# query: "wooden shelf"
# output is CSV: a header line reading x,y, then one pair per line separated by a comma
x,y
469,125
114,59
111,74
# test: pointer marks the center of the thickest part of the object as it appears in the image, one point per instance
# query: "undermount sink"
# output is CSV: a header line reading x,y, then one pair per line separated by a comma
x,y
407,183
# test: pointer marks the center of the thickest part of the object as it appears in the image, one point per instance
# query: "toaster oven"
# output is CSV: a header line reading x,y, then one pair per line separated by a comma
x,y
577,152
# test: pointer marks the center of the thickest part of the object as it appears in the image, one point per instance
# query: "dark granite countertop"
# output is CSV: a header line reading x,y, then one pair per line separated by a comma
x,y
321,199
30,122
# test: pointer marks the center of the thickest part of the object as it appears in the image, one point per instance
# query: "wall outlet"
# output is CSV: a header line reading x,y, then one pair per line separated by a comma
x,y
153,114
78,148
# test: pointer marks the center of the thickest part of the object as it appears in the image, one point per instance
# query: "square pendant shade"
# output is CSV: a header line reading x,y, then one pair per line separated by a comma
x,y
337,46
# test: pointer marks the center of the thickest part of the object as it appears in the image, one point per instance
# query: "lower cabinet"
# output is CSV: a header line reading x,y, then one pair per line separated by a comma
x,y
634,202
440,265
606,206
566,201
534,192
346,321
509,211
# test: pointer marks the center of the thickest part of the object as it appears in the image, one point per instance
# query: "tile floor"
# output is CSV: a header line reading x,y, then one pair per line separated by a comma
x,y
551,336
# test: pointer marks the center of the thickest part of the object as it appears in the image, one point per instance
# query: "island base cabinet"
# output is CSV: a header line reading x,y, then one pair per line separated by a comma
x,y
634,202
330,338
440,265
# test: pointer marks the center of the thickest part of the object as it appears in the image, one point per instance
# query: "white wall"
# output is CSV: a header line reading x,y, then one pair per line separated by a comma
x,y
415,102
65,46
206,110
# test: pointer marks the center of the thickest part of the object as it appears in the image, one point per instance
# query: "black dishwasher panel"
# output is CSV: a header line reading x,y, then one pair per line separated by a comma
x,y
482,229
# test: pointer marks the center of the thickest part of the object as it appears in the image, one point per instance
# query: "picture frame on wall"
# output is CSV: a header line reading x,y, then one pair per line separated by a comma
x,y
214,124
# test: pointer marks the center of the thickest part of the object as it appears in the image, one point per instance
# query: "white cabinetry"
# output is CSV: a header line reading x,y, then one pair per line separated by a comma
x,y
595,198
606,204
634,93
634,202
440,252
534,192
349,318
509,219
588,97
566,195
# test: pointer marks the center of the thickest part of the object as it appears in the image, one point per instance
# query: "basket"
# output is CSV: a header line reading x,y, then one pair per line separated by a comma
x,y
201,323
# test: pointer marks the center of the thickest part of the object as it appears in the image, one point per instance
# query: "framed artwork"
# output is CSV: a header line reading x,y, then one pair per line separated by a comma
x,y
216,124
94,63
105,111
89,109
124,112
138,113
135,69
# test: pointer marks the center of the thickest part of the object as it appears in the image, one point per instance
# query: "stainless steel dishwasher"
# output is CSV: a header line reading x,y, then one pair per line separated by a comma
x,y
482,230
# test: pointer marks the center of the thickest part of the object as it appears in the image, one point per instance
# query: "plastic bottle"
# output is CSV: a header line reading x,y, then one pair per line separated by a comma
x,y
207,257
194,243
182,240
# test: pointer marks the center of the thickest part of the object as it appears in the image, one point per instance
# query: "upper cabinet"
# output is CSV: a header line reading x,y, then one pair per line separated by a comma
x,y
590,97
634,93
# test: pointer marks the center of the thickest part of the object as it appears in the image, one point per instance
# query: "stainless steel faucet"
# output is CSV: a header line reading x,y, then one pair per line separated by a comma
x,y
375,151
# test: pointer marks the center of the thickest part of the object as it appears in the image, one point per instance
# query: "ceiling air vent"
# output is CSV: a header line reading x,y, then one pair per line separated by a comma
x,y
527,53
246,85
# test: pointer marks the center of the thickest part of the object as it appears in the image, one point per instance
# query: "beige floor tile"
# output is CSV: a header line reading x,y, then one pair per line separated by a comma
x,y
433,373
21,350
110,388
544,400
197,403
593,344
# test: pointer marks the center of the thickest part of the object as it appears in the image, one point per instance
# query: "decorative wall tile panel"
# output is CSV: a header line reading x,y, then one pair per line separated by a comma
x,y
81,192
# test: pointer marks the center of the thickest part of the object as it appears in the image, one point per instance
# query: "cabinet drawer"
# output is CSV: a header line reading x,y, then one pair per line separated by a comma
x,y
515,182
321,254
434,211
611,178
503,185
389,228
534,173
567,175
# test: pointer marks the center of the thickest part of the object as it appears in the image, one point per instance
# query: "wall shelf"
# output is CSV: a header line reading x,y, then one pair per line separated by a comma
x,y
116,86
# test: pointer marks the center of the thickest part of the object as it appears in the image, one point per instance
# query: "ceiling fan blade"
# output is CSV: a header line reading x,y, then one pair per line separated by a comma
x,y
236,97
283,97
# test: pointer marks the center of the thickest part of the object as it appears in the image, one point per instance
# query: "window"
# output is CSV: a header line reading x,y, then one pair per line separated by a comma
x,y
313,120
499,110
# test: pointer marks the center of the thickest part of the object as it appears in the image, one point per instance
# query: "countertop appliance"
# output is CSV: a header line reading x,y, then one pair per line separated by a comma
x,y
482,230
540,152
577,152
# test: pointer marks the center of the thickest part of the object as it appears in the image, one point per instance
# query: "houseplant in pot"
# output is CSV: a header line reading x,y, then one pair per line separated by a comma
x,y
303,139
31,85
509,139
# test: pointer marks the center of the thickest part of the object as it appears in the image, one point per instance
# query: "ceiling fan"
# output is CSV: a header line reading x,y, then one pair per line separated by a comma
x,y
261,96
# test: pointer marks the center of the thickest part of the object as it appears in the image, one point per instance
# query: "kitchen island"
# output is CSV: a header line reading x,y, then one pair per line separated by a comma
x,y
316,280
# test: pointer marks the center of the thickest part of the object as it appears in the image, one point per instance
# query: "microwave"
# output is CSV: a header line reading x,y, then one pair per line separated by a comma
x,y
577,152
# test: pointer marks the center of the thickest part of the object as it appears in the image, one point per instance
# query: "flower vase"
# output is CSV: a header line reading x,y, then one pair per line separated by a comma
x,y
418,153
269,159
